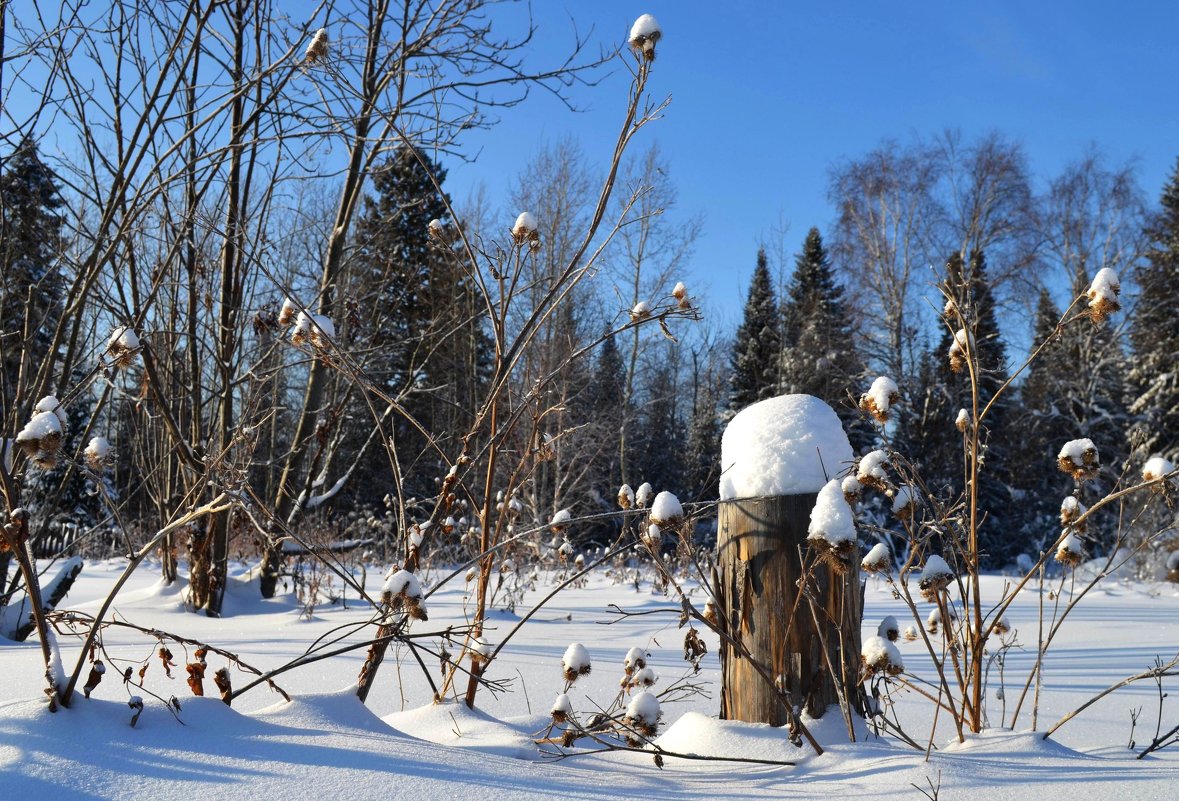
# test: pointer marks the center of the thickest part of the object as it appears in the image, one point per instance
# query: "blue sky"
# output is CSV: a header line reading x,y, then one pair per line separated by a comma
x,y
766,96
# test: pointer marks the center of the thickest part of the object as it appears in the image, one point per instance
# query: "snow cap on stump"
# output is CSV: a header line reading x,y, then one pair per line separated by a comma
x,y
787,445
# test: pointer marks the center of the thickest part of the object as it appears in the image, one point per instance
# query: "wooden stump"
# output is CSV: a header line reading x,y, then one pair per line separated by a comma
x,y
759,541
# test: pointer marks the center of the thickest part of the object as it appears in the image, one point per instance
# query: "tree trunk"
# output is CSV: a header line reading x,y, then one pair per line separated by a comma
x,y
759,543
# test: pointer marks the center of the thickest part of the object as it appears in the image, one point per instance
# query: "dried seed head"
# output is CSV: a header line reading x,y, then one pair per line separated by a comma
x,y
635,659
575,662
879,655
525,230
643,35
122,347
97,454
878,560
1156,468
958,350
403,592
962,421
879,398
626,496
853,490
666,510
641,311
288,311
904,502
1079,458
643,713
1070,552
317,48
560,522
1103,295
935,577
41,439
871,471
709,612
1071,510
644,677
562,708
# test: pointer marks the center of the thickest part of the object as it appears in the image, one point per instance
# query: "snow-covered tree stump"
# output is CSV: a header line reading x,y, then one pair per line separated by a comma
x,y
776,455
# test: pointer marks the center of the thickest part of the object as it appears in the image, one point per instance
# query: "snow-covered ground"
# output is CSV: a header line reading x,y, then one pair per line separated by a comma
x,y
325,744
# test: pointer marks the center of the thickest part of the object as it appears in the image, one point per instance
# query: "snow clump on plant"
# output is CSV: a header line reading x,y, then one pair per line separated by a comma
x,y
832,530
644,34
575,662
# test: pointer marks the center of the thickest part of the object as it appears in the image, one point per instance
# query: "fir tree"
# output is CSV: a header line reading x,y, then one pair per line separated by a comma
x,y
818,350
418,318
1075,388
605,405
660,442
31,285
941,391
1042,428
757,350
702,454
1154,334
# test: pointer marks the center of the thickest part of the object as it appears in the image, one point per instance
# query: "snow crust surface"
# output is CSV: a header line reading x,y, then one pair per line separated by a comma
x,y
400,747
788,445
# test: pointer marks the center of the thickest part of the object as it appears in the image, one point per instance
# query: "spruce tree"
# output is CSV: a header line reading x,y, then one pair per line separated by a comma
x,y
819,356
659,442
418,321
1076,388
31,285
1154,334
757,349
1042,427
605,407
702,453
931,436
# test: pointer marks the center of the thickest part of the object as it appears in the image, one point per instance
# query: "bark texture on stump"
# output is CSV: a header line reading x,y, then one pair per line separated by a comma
x,y
759,541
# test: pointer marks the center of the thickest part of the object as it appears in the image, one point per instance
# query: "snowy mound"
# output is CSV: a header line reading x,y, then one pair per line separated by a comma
x,y
698,734
787,445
